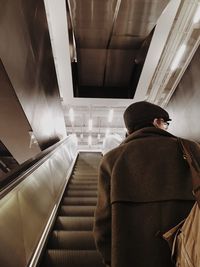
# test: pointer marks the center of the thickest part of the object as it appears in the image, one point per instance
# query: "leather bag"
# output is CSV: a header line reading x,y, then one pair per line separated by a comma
x,y
184,238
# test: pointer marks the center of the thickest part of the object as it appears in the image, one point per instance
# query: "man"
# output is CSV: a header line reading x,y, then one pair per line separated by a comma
x,y
144,190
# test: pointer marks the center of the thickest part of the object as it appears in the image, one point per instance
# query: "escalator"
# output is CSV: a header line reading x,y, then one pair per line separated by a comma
x,y
71,242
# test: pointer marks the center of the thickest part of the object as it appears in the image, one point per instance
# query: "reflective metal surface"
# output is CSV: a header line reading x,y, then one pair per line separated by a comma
x,y
25,210
14,126
109,35
26,53
184,104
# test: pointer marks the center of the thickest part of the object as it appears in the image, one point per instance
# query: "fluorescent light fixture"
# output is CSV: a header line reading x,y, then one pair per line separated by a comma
x,y
178,57
110,116
33,139
90,124
32,136
107,131
71,114
89,140
197,15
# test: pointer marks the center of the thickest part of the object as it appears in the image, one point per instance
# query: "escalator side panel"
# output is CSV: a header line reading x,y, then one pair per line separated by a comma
x,y
25,210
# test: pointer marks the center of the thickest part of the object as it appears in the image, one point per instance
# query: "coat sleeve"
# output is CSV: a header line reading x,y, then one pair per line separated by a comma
x,y
102,221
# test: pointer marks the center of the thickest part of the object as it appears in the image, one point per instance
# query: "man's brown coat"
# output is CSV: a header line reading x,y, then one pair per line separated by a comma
x,y
144,190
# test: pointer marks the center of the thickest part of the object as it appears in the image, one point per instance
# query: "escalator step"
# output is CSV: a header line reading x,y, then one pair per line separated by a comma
x,y
74,223
78,176
85,168
68,258
76,181
72,240
77,211
81,187
81,193
85,179
83,173
83,201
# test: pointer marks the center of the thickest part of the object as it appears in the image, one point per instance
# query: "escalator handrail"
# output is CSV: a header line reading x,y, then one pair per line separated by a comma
x,y
14,177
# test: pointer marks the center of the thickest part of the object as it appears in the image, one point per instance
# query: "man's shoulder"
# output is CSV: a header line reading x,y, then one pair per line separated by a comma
x,y
112,155
114,152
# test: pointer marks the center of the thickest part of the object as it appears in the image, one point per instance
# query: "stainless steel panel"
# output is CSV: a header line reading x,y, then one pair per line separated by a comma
x,y
25,210
92,21
97,28
184,106
26,53
14,127
12,251
91,66
117,61
138,17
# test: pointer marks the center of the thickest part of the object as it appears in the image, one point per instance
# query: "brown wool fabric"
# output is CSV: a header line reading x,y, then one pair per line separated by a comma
x,y
144,190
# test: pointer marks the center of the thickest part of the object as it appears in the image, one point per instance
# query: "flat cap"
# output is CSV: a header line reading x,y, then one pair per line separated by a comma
x,y
143,112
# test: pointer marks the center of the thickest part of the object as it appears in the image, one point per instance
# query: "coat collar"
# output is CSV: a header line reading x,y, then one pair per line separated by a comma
x,y
147,132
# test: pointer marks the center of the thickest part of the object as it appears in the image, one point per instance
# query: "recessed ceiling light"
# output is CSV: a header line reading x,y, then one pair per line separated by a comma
x,y
90,124
89,140
71,114
110,116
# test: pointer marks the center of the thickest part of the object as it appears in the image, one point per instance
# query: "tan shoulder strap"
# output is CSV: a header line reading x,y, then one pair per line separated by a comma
x,y
194,167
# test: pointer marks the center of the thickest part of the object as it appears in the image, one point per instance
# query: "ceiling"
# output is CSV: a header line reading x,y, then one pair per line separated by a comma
x,y
111,42
109,54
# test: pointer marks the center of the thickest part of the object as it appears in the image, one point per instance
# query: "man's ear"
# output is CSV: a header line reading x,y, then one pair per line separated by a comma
x,y
128,133
156,123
